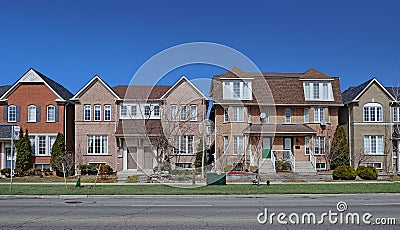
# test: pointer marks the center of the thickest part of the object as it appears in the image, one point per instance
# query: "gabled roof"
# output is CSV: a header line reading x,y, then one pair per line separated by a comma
x,y
353,94
34,76
95,79
179,82
284,88
140,92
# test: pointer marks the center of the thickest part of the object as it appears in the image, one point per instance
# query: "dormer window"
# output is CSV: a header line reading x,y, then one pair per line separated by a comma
x,y
237,90
318,91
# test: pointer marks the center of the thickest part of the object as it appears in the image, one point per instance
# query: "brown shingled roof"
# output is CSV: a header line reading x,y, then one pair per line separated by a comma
x,y
140,92
285,88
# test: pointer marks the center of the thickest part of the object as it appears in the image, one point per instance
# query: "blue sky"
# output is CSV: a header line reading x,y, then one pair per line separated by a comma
x,y
71,41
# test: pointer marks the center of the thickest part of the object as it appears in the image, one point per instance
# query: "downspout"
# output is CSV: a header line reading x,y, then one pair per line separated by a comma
x,y
349,137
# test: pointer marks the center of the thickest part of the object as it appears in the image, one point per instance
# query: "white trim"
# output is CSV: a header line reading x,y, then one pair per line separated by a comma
x,y
31,73
89,84
371,123
369,85
183,78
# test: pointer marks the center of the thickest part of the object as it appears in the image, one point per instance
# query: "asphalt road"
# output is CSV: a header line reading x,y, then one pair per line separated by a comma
x,y
198,212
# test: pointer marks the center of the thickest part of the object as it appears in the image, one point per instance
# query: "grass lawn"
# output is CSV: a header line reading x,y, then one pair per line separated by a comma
x,y
159,189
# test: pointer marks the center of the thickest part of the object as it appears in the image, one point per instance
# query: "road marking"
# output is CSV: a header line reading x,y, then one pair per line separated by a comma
x,y
171,205
381,204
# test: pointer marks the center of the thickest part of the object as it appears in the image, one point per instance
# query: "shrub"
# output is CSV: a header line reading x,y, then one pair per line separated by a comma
x,y
344,172
88,170
282,166
253,169
132,179
6,172
106,169
367,173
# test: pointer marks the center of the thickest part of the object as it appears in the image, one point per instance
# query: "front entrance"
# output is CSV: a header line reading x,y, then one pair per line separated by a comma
x,y
10,160
138,155
288,146
266,147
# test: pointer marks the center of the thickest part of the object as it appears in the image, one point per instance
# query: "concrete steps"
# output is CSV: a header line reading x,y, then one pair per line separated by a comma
x,y
266,167
305,167
122,176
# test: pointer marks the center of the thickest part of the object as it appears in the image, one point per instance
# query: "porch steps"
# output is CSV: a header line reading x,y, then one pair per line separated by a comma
x,y
305,167
266,167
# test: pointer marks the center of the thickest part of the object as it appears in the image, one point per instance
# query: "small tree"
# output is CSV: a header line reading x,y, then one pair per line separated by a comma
x,y
24,153
58,153
339,153
199,155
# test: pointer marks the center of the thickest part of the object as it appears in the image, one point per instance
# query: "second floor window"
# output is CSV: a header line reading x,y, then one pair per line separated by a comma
x,y
238,114
174,112
97,144
318,91
12,113
373,112
306,115
32,113
134,110
157,110
319,115
97,112
238,145
183,112
237,90
226,115
147,111
266,115
288,115
107,112
396,114
124,110
86,112
193,112
51,113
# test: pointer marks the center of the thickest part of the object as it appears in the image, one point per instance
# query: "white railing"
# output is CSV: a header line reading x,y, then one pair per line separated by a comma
x,y
287,155
273,159
313,160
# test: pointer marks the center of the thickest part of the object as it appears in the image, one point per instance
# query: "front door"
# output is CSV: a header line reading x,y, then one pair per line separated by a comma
x,y
266,147
10,159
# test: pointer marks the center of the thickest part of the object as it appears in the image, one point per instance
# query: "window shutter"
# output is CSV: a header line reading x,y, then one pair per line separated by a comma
x,y
37,113
18,113
57,113
5,114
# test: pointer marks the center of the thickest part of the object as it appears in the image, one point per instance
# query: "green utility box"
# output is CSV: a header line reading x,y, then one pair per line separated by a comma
x,y
216,178
266,153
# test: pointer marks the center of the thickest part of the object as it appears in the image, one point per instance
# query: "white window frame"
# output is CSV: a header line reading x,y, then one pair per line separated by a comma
x,y
373,165
318,91
156,111
97,112
266,112
238,145
36,145
183,113
307,145
237,90
307,92
373,110
32,114
396,114
226,115
238,114
107,112
288,116
134,110
51,117
12,113
306,115
184,145
226,144
174,112
103,144
320,168
374,142
124,110
319,112
319,143
193,112
87,110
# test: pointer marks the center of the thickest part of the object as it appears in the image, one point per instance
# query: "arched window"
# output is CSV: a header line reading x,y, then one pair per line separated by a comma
x,y
373,112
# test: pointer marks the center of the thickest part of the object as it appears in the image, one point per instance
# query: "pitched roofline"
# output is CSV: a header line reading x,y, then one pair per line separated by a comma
x,y
17,83
183,78
89,84
369,85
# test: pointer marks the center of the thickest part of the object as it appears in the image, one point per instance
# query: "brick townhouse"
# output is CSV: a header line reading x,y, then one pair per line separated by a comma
x,y
261,118
371,116
40,105
123,125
